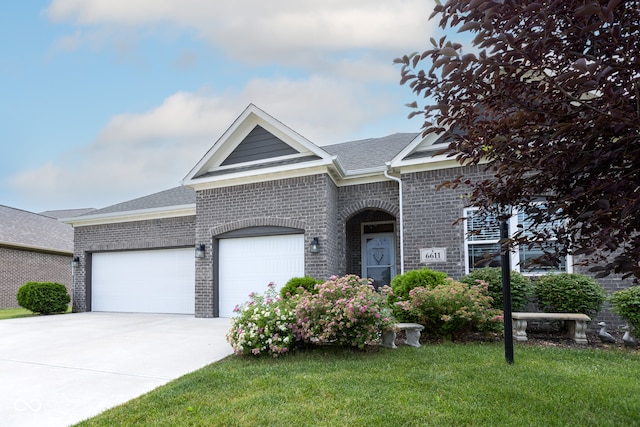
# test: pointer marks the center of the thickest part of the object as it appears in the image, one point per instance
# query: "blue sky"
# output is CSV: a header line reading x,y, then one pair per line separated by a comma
x,y
102,101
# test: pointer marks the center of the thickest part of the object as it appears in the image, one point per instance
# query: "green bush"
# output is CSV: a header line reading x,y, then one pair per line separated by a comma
x,y
453,308
402,284
569,293
626,303
292,287
43,297
521,288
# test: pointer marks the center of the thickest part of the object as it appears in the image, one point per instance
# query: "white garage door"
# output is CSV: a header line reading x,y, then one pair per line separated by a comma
x,y
248,264
160,281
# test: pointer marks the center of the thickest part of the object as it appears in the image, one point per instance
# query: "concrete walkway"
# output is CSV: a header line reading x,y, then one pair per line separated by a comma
x,y
58,370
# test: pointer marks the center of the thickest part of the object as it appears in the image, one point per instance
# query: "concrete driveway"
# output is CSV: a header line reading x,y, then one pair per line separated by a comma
x,y
58,370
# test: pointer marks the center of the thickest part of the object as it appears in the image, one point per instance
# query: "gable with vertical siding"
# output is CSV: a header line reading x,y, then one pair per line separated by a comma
x,y
258,145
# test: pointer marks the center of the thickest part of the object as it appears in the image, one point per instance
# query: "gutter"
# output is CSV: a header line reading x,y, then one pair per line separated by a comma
x,y
132,215
401,222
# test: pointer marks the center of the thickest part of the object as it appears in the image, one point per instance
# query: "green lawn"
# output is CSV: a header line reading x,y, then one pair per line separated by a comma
x,y
11,313
436,385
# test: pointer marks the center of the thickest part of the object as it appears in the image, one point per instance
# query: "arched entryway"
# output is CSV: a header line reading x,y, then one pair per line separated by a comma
x,y
372,245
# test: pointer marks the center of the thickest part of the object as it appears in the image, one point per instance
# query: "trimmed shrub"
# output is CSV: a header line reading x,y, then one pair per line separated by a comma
x,y
452,309
521,288
569,293
298,285
43,297
346,311
264,325
402,284
626,304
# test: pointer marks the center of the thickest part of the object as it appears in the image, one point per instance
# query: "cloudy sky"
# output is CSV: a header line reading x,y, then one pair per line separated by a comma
x,y
102,101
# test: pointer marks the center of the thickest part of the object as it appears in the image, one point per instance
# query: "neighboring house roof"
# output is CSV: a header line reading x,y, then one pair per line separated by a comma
x,y
177,201
29,230
66,213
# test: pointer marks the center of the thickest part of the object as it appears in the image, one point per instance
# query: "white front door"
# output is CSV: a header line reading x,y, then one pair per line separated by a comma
x,y
378,258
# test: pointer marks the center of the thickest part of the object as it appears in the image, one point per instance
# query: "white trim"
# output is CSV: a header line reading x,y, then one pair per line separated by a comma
x,y
261,161
134,215
253,176
412,147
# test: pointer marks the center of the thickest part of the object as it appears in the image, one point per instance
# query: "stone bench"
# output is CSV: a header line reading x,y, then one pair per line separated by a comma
x,y
411,329
576,323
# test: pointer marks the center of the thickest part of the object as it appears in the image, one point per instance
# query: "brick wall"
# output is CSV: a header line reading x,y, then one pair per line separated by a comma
x,y
429,216
151,234
307,203
18,266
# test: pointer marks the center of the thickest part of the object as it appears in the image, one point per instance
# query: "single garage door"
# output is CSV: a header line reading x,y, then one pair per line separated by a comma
x,y
248,264
158,281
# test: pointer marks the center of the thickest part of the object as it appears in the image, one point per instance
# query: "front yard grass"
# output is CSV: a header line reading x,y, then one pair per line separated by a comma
x,y
12,313
445,384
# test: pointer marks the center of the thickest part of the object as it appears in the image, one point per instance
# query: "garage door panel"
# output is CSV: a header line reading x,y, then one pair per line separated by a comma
x,y
249,264
160,281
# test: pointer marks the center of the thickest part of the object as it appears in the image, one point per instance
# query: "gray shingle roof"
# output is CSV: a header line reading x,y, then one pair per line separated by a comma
x,y
173,197
31,230
369,153
353,156
66,213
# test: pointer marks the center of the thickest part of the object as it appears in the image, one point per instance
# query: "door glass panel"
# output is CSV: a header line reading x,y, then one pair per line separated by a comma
x,y
379,259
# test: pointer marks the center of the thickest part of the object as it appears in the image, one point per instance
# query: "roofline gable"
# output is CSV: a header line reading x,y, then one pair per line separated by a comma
x,y
419,141
251,117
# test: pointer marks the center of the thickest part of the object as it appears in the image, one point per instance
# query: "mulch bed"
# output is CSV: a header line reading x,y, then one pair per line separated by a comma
x,y
541,336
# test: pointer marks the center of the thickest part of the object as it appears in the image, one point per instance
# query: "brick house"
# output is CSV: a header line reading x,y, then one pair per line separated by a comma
x,y
266,204
33,247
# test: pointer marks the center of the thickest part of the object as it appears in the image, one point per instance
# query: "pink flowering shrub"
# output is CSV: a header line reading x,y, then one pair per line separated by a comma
x,y
263,325
345,311
453,308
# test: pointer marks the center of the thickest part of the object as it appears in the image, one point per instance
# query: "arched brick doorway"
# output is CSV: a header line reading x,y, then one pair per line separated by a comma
x,y
372,246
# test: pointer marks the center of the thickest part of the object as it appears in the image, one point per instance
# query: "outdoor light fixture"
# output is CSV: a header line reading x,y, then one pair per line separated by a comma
x,y
200,251
314,246
75,262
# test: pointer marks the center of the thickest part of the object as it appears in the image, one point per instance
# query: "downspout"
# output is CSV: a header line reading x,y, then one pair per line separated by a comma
x,y
401,222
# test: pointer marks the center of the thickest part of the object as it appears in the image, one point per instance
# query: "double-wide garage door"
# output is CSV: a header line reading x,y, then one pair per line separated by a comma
x,y
248,264
156,281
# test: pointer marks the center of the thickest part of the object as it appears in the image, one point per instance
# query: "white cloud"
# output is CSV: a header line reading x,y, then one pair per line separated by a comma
x,y
135,154
285,32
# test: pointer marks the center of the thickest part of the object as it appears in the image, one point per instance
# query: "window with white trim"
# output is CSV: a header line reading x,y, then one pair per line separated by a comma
x,y
482,247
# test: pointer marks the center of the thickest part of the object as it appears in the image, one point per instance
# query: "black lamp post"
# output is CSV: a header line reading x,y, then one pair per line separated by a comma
x,y
505,262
